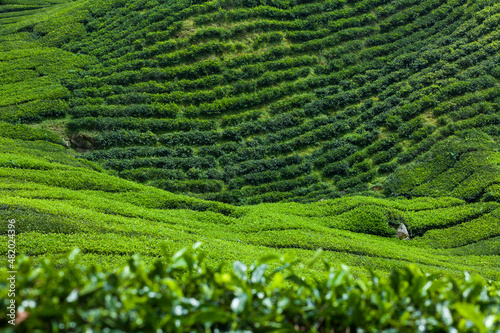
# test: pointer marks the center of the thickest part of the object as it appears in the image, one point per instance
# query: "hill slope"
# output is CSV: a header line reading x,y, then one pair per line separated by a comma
x,y
244,102
60,202
262,101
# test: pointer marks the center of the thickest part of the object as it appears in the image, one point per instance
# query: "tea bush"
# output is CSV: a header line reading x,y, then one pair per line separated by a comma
x,y
183,294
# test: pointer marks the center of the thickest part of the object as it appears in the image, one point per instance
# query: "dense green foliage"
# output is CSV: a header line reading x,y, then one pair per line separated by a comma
x,y
259,127
60,202
339,93
185,295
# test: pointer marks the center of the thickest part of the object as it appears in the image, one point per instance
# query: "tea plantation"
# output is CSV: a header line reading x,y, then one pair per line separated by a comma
x,y
263,129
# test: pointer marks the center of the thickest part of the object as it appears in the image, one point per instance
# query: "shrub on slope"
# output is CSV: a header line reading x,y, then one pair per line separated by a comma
x,y
464,166
25,132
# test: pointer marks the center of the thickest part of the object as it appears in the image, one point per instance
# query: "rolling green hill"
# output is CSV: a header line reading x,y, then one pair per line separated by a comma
x,y
60,202
295,101
262,129
254,126
256,101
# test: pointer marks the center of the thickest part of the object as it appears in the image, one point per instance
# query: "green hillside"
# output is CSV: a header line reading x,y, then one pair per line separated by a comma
x,y
262,129
246,102
60,202
255,127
